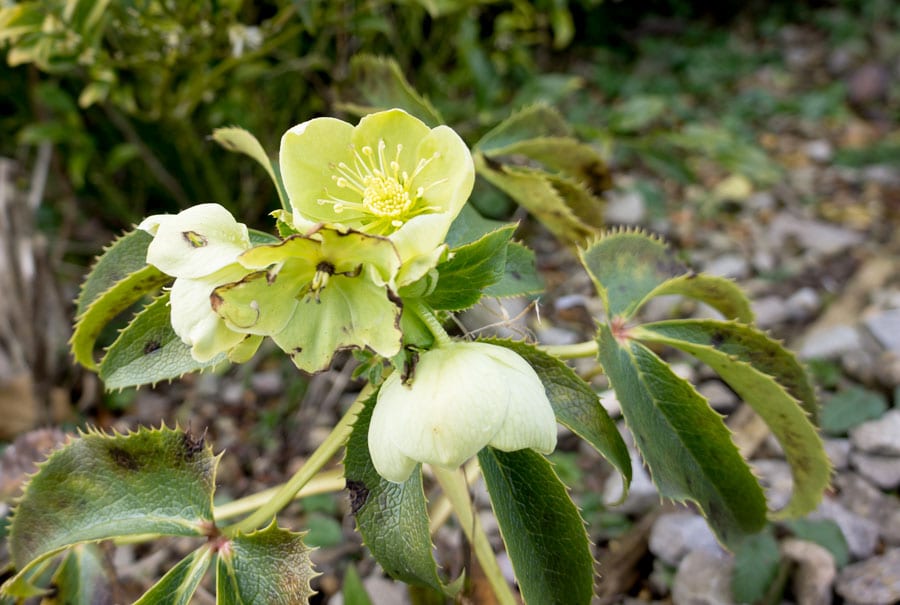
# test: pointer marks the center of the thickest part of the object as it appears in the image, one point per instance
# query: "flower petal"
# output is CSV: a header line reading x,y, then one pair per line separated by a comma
x,y
389,461
449,177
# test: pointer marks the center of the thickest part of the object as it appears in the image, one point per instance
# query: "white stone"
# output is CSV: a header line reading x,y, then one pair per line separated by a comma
x,y
830,343
703,578
885,327
861,534
872,582
674,535
883,471
815,573
624,207
880,436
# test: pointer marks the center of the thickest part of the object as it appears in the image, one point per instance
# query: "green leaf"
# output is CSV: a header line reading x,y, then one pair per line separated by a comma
x,y
181,582
540,525
825,533
576,405
81,579
720,293
520,276
770,379
849,408
380,82
120,278
148,350
471,268
353,590
544,195
391,517
239,140
536,121
101,486
684,442
627,266
269,566
469,225
756,562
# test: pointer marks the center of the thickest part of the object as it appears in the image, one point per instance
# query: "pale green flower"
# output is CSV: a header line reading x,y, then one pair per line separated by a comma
x,y
199,248
317,293
463,396
390,175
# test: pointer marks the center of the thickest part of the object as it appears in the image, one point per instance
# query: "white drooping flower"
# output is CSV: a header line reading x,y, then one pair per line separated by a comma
x,y
199,248
464,396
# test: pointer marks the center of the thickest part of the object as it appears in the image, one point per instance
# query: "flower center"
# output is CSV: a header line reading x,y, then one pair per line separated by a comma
x,y
377,192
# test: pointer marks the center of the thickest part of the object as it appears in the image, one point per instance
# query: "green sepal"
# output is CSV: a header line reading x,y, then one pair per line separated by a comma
x,y
120,278
771,380
684,442
269,566
470,269
380,83
627,266
99,487
181,582
148,351
392,518
576,405
243,141
543,532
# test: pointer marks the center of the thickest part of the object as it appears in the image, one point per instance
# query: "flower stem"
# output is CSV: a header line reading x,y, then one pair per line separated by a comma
x,y
286,493
323,483
426,314
581,349
457,491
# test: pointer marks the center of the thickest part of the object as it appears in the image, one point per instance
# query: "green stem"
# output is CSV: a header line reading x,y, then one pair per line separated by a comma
x,y
286,493
581,349
323,483
426,314
457,491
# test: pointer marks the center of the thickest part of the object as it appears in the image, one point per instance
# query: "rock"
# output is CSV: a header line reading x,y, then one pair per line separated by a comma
x,y
859,496
883,471
770,311
868,84
803,304
720,397
642,494
624,207
838,451
881,436
267,384
890,522
818,236
831,342
775,478
885,327
554,335
674,535
887,368
734,266
503,317
815,573
820,151
872,582
861,534
610,402
703,578
760,201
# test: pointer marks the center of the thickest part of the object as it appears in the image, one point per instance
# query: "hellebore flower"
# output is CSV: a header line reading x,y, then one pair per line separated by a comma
x,y
315,294
199,248
464,396
390,175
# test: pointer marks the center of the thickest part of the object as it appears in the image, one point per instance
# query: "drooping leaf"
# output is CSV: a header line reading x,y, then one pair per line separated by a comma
x,y
576,406
535,121
544,534
756,562
180,583
685,443
391,517
81,579
520,276
471,268
851,407
770,380
380,83
101,486
720,293
126,255
627,266
148,351
269,566
824,532
239,140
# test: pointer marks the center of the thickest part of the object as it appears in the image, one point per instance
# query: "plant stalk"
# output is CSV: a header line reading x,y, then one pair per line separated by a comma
x,y
581,349
441,338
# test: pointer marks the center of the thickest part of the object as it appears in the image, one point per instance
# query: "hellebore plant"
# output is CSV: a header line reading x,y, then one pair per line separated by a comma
x,y
375,252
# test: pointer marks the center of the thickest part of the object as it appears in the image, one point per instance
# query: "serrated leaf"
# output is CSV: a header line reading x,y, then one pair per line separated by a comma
x,y
380,82
243,141
520,276
542,194
124,256
148,351
101,486
685,443
771,381
627,266
469,225
756,562
269,566
544,534
720,293
851,407
824,532
81,579
391,517
576,406
535,121
471,268
181,582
